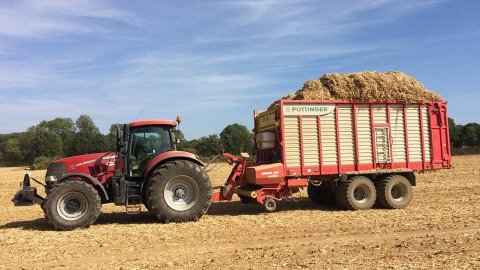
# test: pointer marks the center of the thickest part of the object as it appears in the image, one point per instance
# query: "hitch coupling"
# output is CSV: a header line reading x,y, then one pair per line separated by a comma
x,y
27,195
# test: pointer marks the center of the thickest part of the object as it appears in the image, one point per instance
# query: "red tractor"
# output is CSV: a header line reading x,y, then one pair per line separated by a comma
x,y
145,169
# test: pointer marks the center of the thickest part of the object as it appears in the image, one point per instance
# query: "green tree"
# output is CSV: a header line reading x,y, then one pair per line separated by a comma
x,y
64,127
236,139
12,152
26,142
209,146
470,134
46,143
111,137
85,123
88,138
183,144
454,130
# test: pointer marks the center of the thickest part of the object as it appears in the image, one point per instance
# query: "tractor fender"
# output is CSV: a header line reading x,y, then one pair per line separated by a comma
x,y
94,181
158,160
163,158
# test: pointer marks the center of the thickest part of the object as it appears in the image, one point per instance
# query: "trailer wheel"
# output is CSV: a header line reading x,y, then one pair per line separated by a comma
x,y
394,192
72,204
357,193
179,191
269,204
321,195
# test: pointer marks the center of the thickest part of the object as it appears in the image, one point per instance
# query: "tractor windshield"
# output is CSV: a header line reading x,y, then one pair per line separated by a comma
x,y
145,142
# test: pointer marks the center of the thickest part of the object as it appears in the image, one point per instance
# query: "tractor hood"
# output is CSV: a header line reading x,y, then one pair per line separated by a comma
x,y
95,165
76,163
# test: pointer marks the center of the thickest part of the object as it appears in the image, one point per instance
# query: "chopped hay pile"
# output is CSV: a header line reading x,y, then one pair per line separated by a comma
x,y
364,86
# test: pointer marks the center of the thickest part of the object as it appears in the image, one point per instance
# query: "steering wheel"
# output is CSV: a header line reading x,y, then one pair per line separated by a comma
x,y
143,150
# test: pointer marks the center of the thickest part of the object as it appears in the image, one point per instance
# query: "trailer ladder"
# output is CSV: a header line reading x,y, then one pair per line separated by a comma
x,y
382,143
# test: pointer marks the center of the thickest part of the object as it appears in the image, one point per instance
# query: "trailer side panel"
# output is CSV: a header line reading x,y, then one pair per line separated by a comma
x,y
329,137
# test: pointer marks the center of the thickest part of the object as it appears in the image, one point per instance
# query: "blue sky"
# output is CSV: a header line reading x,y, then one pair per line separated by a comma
x,y
213,62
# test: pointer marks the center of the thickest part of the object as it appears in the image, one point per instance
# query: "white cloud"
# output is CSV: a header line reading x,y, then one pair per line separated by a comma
x,y
30,74
318,20
41,19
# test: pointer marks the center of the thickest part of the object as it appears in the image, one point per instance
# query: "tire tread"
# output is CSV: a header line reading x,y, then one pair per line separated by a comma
x,y
156,180
58,188
342,194
381,186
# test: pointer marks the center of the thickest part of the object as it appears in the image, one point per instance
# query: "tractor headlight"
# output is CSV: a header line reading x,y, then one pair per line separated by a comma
x,y
50,178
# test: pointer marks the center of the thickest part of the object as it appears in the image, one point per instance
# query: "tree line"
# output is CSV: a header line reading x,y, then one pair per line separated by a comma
x,y
63,137
57,138
464,139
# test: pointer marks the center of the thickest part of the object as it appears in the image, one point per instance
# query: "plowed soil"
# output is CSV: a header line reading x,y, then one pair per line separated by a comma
x,y
440,229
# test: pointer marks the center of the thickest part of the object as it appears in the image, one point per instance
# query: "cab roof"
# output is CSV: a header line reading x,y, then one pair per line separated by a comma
x,y
153,122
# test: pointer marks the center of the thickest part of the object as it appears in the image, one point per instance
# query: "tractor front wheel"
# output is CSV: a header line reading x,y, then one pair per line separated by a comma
x,y
72,204
179,191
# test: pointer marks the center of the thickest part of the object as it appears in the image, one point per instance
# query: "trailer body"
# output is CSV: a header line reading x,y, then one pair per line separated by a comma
x,y
302,142
336,137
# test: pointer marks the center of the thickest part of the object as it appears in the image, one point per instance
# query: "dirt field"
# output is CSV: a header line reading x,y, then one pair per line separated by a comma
x,y
441,229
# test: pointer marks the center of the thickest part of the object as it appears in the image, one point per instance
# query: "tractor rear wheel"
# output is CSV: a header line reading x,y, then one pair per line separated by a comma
x,y
394,192
321,195
179,191
357,193
72,204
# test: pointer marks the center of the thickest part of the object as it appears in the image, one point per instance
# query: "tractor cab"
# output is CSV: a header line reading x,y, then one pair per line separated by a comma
x,y
145,140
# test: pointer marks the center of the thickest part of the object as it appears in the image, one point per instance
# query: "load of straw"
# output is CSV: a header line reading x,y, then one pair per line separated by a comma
x,y
364,86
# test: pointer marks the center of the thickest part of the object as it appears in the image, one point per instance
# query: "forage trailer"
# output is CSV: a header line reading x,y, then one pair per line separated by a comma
x,y
145,169
354,153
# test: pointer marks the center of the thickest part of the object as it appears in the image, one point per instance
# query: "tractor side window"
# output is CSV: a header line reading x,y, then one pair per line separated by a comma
x,y
146,142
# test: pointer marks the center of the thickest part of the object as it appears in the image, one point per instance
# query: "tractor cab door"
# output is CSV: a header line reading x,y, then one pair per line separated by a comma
x,y
144,143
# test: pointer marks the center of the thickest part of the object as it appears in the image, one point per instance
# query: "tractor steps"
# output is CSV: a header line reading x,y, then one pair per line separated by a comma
x,y
133,200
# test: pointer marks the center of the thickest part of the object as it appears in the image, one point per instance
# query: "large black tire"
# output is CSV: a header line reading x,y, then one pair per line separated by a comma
x,y
179,191
148,207
356,193
394,192
72,204
321,195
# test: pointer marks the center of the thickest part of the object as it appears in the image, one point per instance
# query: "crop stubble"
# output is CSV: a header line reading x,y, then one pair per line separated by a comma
x,y
439,229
